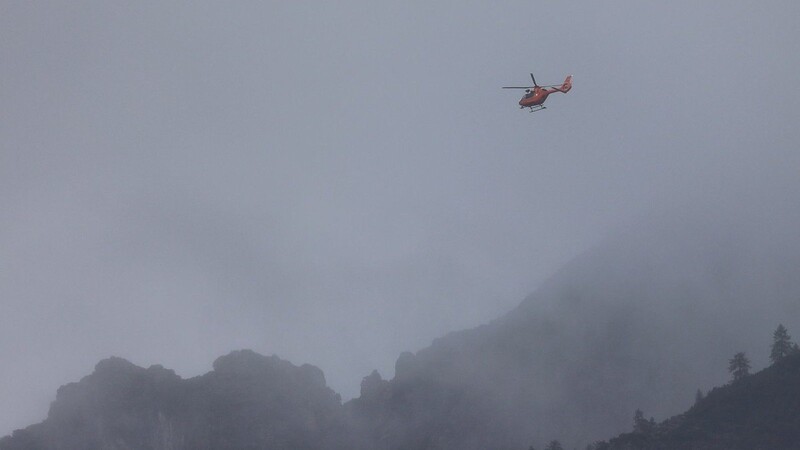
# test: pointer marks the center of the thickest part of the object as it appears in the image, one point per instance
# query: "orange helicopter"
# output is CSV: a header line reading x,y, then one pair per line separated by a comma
x,y
536,95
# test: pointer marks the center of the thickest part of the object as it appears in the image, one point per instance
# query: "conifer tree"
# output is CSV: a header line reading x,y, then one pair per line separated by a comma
x,y
698,396
642,425
739,366
781,344
554,445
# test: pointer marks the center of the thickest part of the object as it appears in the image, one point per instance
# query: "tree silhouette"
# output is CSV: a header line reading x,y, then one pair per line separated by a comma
x,y
554,445
739,366
781,344
642,425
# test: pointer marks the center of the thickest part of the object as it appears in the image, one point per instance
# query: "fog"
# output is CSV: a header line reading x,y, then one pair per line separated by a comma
x,y
339,183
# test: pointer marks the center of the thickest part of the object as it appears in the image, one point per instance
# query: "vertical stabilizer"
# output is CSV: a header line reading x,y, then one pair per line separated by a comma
x,y
567,84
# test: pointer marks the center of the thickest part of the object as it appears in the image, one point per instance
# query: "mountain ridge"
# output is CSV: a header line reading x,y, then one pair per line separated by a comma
x,y
639,322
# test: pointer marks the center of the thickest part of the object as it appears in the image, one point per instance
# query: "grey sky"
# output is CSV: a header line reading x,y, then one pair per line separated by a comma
x,y
337,182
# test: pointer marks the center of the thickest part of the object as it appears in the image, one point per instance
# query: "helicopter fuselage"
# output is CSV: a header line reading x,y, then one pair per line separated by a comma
x,y
535,98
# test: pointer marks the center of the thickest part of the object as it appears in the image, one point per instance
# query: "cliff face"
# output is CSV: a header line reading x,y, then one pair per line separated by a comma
x,y
248,401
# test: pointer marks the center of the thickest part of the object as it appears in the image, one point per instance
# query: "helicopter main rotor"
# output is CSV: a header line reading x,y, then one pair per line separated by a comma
x,y
531,87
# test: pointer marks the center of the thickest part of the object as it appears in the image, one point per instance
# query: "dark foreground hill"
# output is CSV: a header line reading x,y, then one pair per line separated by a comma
x,y
761,411
248,401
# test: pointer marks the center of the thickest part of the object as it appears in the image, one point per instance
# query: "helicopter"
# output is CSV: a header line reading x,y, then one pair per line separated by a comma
x,y
536,95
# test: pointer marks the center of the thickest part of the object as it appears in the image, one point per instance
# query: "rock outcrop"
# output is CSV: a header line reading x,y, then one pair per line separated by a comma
x,y
248,401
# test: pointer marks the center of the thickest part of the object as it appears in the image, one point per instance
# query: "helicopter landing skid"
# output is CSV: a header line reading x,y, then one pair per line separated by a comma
x,y
537,108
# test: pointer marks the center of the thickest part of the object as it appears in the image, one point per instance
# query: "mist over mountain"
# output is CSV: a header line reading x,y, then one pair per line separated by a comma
x,y
341,183
639,322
